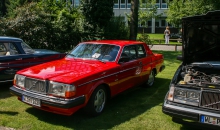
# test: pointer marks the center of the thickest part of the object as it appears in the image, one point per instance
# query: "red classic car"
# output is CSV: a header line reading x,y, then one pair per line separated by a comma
x,y
15,55
89,75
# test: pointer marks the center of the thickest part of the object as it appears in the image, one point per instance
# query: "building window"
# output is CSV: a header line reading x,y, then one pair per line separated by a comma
x,y
157,24
116,4
163,4
157,3
123,4
76,3
143,24
163,23
129,4
149,23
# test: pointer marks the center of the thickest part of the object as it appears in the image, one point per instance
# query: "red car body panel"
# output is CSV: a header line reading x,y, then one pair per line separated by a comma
x,y
88,74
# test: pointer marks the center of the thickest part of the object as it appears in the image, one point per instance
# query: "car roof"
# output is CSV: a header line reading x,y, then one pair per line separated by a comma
x,y
116,42
8,38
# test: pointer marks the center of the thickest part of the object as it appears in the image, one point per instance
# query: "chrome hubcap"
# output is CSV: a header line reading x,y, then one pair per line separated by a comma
x,y
151,79
99,102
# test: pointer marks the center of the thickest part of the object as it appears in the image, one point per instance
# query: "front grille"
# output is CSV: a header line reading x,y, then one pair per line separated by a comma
x,y
35,85
210,100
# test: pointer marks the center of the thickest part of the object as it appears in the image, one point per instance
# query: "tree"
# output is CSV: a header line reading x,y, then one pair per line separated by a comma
x,y
133,22
49,25
183,8
98,12
148,11
2,8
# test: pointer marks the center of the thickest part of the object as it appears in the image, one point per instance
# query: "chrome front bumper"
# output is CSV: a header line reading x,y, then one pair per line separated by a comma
x,y
49,100
187,112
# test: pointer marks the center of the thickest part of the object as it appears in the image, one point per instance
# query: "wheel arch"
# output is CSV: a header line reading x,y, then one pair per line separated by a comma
x,y
107,88
155,71
105,85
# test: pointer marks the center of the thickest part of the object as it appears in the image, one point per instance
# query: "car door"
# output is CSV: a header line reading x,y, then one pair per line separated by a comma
x,y
146,60
130,71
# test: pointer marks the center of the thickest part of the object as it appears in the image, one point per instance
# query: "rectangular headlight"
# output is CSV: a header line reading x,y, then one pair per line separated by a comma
x,y
180,93
19,80
61,90
186,96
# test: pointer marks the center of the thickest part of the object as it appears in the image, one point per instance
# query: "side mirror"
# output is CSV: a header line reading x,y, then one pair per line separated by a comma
x,y
180,57
124,59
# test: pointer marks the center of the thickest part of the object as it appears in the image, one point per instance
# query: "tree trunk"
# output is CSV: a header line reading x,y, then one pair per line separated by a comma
x,y
134,19
3,8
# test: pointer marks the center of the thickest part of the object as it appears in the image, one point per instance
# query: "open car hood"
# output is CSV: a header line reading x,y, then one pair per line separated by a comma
x,y
201,38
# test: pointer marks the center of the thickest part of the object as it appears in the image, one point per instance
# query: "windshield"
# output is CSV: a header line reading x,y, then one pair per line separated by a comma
x,y
102,52
27,49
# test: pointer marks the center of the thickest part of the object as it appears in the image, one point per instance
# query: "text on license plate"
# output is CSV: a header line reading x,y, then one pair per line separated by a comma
x,y
210,120
30,100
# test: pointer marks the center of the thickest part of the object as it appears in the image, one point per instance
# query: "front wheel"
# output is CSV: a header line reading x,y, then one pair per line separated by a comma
x,y
96,102
151,79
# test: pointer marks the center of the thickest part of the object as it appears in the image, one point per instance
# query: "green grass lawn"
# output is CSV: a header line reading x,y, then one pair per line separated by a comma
x,y
139,108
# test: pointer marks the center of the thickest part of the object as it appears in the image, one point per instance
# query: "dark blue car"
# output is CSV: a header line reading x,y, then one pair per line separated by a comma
x,y
15,54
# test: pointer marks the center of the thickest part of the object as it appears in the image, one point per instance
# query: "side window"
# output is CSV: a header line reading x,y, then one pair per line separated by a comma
x,y
10,49
13,49
130,51
2,49
141,51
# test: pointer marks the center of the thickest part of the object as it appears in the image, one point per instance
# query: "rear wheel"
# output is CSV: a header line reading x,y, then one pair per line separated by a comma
x,y
96,102
151,79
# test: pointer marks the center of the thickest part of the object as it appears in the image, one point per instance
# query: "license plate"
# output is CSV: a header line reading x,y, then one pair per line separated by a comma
x,y
30,100
210,120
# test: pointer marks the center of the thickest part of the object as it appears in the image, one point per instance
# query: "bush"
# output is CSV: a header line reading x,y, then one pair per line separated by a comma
x,y
145,38
43,26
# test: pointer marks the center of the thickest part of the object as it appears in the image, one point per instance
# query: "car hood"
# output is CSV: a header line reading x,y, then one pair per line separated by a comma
x,y
201,36
66,70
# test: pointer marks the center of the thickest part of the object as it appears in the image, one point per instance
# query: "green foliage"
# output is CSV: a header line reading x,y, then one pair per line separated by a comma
x,y
144,38
148,11
98,12
44,25
99,21
116,29
178,9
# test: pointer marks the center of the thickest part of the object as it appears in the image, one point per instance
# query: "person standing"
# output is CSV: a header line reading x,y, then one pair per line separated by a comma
x,y
167,35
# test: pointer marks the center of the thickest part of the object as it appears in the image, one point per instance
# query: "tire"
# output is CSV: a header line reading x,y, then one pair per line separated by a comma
x,y
151,79
97,101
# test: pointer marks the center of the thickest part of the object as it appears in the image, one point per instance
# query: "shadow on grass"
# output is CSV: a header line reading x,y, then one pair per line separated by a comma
x,y
4,90
9,113
119,109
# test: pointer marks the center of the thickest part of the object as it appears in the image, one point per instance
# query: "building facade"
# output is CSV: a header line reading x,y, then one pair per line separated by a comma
x,y
154,25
